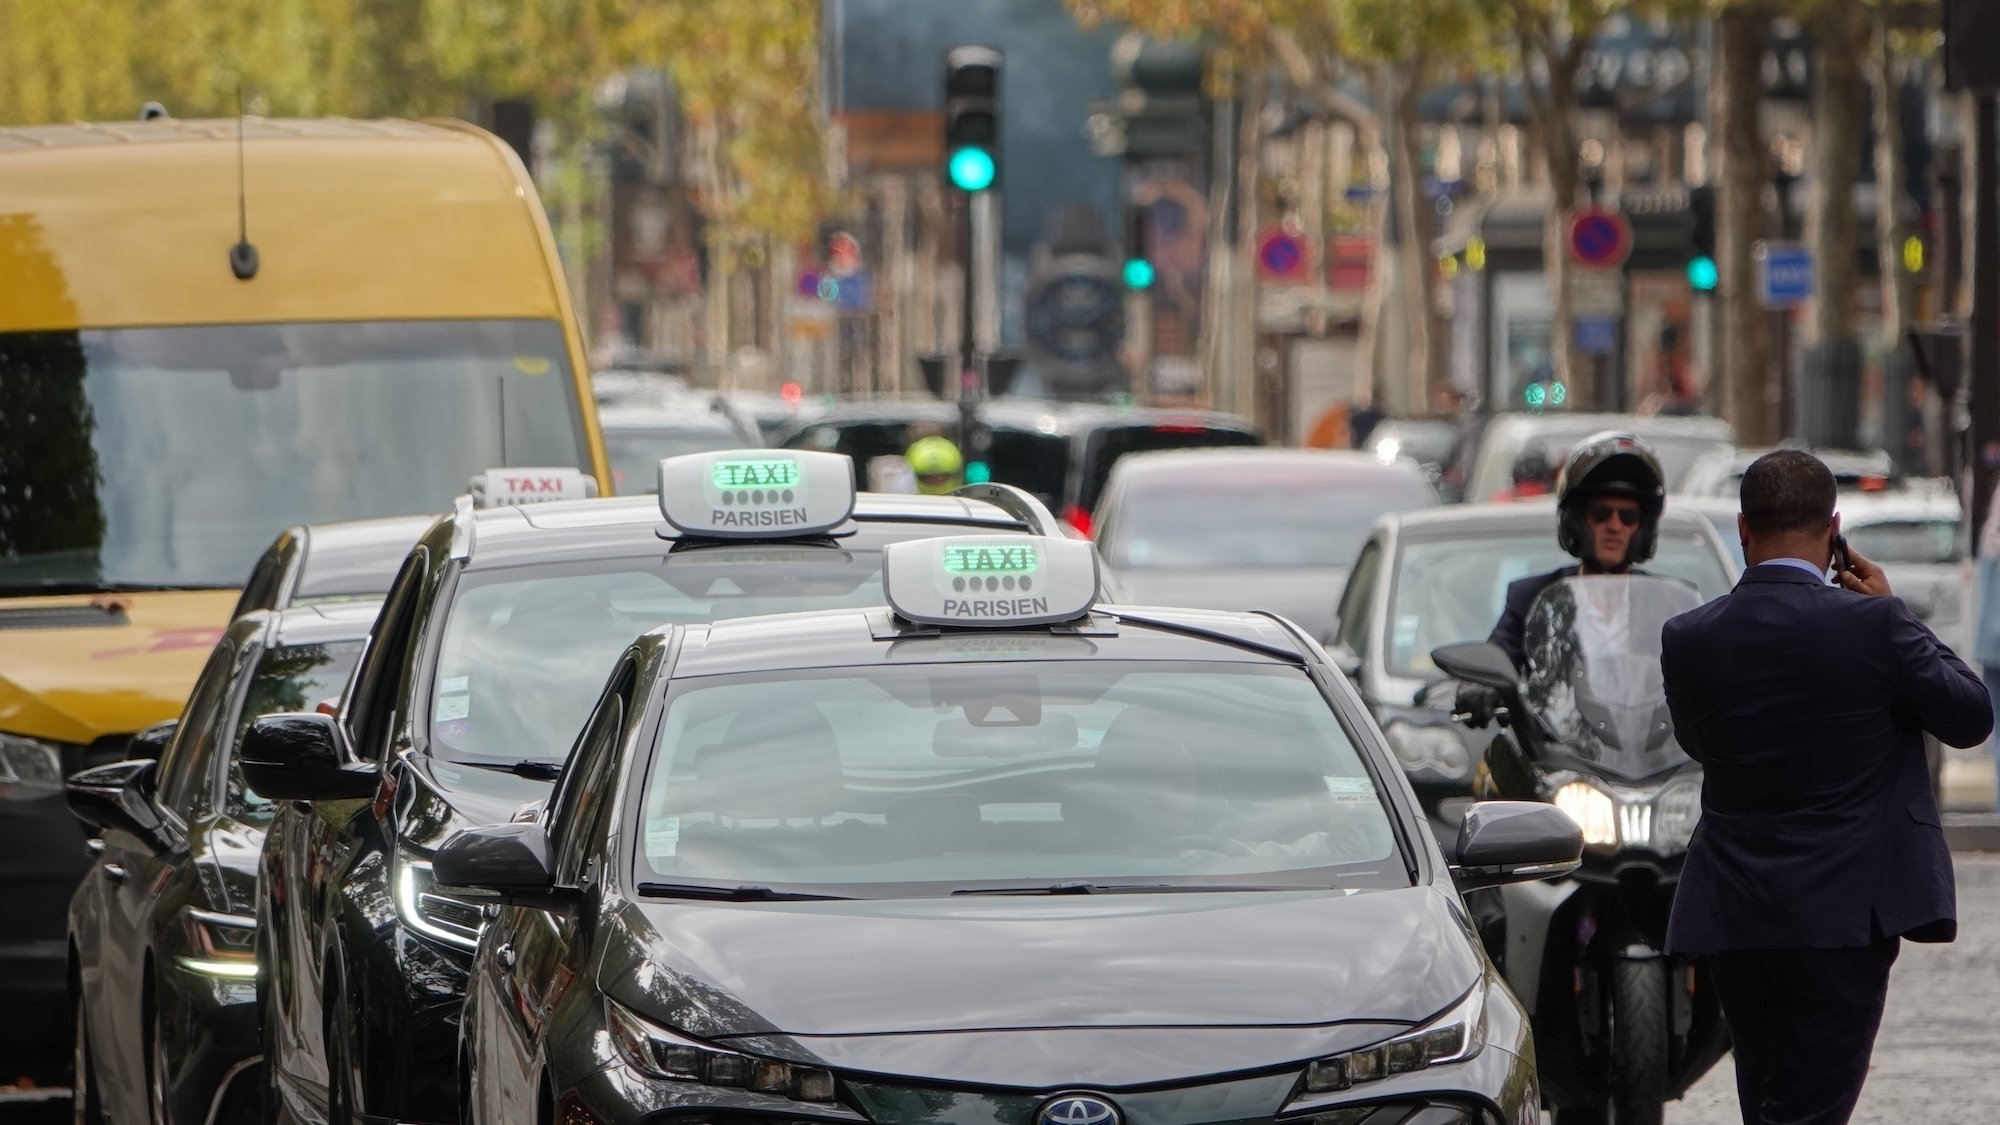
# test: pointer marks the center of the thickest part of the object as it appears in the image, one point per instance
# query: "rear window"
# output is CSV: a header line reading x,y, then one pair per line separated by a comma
x,y
1107,444
1026,459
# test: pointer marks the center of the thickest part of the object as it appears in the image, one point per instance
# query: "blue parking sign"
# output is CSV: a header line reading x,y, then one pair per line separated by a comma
x,y
1784,274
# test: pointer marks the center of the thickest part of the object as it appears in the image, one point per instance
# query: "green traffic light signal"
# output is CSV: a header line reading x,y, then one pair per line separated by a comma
x,y
971,169
1138,273
1702,274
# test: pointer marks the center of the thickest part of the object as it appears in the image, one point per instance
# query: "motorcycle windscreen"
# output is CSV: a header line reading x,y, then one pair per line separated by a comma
x,y
1593,649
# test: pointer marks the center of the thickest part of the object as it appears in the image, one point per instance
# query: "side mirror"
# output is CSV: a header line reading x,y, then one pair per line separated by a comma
x,y
298,757
1478,662
1515,842
119,796
150,743
508,862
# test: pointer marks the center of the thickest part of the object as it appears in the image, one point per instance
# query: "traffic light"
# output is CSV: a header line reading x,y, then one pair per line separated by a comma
x,y
1701,269
972,118
1139,271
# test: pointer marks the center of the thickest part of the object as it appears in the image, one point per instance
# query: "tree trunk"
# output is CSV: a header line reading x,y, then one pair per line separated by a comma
x,y
1374,301
1413,240
1892,184
1840,98
1749,390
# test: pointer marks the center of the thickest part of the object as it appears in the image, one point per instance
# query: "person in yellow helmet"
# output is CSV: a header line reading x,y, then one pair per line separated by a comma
x,y
938,465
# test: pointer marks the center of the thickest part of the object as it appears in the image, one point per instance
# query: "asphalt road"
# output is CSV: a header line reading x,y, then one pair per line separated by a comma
x,y
1937,1059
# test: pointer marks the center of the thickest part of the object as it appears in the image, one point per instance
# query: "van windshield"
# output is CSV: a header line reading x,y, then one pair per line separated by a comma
x,y
135,458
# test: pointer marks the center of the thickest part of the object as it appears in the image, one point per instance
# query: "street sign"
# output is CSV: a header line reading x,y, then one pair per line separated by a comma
x,y
1598,294
1281,256
1599,238
1596,335
843,254
857,292
1784,274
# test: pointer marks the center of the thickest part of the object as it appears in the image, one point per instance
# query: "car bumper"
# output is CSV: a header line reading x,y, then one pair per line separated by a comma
x,y
41,861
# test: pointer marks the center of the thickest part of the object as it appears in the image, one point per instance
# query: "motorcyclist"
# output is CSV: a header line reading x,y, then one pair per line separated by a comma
x,y
1533,474
937,464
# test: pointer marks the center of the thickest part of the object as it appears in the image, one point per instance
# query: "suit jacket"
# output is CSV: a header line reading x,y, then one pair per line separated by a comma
x,y
1806,705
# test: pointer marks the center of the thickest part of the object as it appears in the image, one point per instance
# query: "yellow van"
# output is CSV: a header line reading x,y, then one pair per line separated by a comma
x,y
211,331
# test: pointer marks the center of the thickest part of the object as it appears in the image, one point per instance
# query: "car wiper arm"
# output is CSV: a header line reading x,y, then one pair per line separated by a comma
x,y
729,894
534,769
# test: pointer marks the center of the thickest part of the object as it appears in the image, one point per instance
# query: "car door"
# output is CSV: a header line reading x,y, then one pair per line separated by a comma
x,y
540,950
136,874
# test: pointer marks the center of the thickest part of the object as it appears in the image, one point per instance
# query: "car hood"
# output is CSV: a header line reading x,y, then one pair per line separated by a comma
x,y
77,668
1149,986
1306,595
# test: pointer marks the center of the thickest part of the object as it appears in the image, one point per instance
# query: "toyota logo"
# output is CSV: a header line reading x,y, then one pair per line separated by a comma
x,y
1077,1109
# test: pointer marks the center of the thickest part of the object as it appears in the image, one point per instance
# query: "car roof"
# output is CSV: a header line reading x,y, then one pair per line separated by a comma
x,y
652,416
355,556
1693,426
626,525
1180,463
1019,413
1457,521
844,638
321,623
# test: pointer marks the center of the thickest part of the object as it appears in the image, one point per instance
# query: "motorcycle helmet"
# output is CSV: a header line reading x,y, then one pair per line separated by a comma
x,y
938,465
1534,471
1610,464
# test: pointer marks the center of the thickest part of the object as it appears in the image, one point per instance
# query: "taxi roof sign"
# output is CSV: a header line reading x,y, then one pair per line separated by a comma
x,y
757,493
971,581
512,487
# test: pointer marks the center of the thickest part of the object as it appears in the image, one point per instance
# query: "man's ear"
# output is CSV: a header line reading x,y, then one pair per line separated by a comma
x,y
1742,530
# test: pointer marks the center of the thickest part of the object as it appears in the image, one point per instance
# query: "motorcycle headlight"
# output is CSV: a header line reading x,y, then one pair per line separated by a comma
x,y
1456,1035
1675,813
29,767
424,909
1593,810
659,1053
220,945
1427,746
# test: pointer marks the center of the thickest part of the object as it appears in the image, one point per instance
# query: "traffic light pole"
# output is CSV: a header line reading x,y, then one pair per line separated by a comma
x,y
968,332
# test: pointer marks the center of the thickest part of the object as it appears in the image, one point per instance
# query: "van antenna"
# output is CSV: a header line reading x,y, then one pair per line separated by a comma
x,y
500,381
242,256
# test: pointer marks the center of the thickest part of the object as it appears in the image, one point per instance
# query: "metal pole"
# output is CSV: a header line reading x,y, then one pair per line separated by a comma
x,y
1983,344
968,346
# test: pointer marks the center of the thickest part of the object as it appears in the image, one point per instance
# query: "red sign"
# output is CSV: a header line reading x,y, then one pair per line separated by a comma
x,y
1347,261
1281,256
843,254
1599,238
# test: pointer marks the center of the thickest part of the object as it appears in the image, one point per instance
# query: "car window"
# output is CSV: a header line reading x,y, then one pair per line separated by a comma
x,y
1904,541
636,453
369,710
261,591
287,678
192,750
1107,444
579,799
1451,590
1358,600
1255,520
921,779
1027,459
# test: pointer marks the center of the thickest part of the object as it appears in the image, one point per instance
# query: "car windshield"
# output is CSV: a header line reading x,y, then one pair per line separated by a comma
x,y
1262,519
1904,541
636,453
1026,459
288,678
1451,590
989,776
526,649
1108,443
172,456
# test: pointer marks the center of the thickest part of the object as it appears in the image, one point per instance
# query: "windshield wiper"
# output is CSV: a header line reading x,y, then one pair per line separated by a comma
x,y
53,587
531,768
1129,888
728,894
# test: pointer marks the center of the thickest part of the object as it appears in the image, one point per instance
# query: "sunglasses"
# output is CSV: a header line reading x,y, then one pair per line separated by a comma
x,y
1603,513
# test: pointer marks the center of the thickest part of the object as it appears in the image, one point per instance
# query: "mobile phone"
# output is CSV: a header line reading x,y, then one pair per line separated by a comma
x,y
1840,560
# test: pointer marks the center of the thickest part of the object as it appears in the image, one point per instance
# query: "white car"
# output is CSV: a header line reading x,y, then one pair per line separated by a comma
x,y
1678,442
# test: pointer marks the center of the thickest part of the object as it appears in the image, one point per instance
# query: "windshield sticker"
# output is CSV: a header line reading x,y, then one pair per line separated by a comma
x,y
1406,631
663,836
1351,790
533,364
453,683
451,707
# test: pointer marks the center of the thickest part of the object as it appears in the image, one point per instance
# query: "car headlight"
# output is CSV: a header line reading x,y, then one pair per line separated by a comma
x,y
1675,813
1593,810
220,945
29,767
1429,746
658,1053
424,909
1454,1036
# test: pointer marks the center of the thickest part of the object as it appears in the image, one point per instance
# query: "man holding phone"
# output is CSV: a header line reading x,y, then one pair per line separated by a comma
x,y
1819,846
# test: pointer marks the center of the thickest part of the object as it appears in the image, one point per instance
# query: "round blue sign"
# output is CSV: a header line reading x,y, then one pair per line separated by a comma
x,y
1599,238
1280,253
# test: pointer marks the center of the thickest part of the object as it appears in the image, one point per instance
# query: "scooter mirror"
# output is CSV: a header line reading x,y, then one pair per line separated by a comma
x,y
1477,662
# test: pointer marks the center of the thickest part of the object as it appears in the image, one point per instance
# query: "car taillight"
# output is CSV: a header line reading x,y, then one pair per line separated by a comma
x,y
1077,518
1179,428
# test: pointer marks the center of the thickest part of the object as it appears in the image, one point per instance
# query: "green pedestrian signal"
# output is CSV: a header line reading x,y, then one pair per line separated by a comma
x,y
1702,274
1138,273
972,169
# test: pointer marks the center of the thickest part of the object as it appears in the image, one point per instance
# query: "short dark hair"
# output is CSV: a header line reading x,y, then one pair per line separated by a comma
x,y
1787,490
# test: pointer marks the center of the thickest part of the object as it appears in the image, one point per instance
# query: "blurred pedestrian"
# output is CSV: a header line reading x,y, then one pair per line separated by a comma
x,y
1819,847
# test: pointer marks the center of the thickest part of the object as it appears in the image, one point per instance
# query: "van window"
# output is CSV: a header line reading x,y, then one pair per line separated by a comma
x,y
148,457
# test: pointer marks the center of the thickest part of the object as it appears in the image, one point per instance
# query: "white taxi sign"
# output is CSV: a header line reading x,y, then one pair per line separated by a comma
x,y
757,493
512,487
990,580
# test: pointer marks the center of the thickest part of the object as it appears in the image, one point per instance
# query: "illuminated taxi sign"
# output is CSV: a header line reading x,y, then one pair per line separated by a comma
x,y
756,493
512,487
990,580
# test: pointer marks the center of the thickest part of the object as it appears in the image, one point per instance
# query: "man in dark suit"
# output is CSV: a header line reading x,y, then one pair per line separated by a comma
x,y
1819,846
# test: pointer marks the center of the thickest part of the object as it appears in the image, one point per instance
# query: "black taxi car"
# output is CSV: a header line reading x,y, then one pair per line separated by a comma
x,y
993,853
474,681
330,562
162,973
